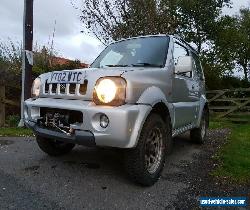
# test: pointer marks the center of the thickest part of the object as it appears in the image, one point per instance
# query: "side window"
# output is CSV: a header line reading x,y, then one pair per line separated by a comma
x,y
180,51
198,68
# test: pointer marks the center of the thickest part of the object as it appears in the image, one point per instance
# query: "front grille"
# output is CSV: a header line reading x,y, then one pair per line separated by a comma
x,y
46,87
53,88
63,88
66,89
72,89
83,87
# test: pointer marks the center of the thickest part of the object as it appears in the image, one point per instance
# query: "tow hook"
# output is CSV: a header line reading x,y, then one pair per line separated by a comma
x,y
71,130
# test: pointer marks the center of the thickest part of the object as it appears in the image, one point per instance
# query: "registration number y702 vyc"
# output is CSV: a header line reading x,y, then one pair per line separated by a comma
x,y
76,77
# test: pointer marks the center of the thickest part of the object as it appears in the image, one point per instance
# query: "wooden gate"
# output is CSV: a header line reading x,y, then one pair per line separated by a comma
x,y
226,102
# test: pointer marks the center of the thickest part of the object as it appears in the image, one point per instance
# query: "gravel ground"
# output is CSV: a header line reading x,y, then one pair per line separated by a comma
x,y
90,178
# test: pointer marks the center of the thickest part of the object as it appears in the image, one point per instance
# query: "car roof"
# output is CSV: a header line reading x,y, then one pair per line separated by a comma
x,y
136,37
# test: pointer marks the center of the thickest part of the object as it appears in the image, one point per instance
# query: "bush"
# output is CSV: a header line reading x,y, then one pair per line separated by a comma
x,y
13,120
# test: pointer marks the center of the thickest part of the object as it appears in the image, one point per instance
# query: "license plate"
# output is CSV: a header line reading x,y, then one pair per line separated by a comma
x,y
62,77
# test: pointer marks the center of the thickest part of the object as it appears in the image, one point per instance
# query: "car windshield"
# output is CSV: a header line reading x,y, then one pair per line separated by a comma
x,y
143,51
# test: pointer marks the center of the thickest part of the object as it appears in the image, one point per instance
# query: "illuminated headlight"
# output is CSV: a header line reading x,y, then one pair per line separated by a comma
x,y
110,91
35,90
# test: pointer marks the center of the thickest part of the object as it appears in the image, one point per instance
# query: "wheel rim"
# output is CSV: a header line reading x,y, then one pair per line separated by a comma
x,y
203,127
153,148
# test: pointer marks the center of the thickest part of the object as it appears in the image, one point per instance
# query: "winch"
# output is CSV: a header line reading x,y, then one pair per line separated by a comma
x,y
59,119
56,119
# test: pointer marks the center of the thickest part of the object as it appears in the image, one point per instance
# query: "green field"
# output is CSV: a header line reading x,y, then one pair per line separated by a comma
x,y
234,156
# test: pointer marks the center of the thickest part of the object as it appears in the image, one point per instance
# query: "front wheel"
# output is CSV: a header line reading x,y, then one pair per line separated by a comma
x,y
198,135
145,162
53,147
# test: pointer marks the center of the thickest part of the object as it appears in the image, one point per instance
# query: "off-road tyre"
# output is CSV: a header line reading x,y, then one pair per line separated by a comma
x,y
136,160
198,135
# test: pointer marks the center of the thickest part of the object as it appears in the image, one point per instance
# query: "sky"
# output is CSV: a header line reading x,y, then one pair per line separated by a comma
x,y
69,42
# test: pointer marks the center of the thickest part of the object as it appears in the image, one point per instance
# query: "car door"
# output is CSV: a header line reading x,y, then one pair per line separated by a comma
x,y
185,91
199,80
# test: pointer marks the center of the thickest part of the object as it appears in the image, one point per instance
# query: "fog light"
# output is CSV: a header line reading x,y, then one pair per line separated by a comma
x,y
104,121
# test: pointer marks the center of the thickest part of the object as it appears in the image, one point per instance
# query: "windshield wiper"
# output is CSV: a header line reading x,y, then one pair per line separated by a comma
x,y
117,65
147,64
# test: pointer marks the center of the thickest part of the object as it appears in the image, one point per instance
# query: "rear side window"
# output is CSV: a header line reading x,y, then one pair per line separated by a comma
x,y
179,51
198,67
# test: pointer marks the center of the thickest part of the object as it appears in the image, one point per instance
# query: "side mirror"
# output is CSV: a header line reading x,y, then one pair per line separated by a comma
x,y
184,65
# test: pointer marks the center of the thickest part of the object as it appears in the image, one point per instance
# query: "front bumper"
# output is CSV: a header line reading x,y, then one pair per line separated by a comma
x,y
125,122
85,138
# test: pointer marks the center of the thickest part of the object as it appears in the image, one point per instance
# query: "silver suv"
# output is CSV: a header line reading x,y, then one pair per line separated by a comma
x,y
138,94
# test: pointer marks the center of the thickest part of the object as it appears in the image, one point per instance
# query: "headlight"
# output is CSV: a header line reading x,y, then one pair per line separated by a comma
x,y
110,91
35,90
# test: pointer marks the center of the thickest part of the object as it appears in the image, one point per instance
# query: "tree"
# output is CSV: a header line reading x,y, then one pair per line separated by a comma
x,y
233,41
243,55
198,18
214,69
10,53
44,61
115,19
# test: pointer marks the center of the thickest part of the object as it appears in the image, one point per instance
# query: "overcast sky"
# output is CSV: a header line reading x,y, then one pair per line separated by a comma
x,y
69,42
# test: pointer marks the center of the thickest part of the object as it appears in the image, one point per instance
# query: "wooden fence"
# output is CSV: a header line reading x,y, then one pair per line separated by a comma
x,y
222,102
4,101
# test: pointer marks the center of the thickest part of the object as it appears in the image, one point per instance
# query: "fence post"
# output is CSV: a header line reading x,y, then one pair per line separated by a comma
x,y
2,105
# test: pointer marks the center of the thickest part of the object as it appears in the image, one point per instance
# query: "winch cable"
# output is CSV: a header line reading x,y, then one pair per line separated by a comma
x,y
63,131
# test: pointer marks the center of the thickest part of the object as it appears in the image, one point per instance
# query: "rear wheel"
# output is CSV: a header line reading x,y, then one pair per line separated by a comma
x,y
53,147
145,162
198,135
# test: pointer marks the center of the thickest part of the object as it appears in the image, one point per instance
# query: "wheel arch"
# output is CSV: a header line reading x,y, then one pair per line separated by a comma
x,y
162,110
204,105
156,98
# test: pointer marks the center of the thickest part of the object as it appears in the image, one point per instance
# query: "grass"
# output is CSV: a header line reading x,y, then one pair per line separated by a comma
x,y
215,124
234,156
15,132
